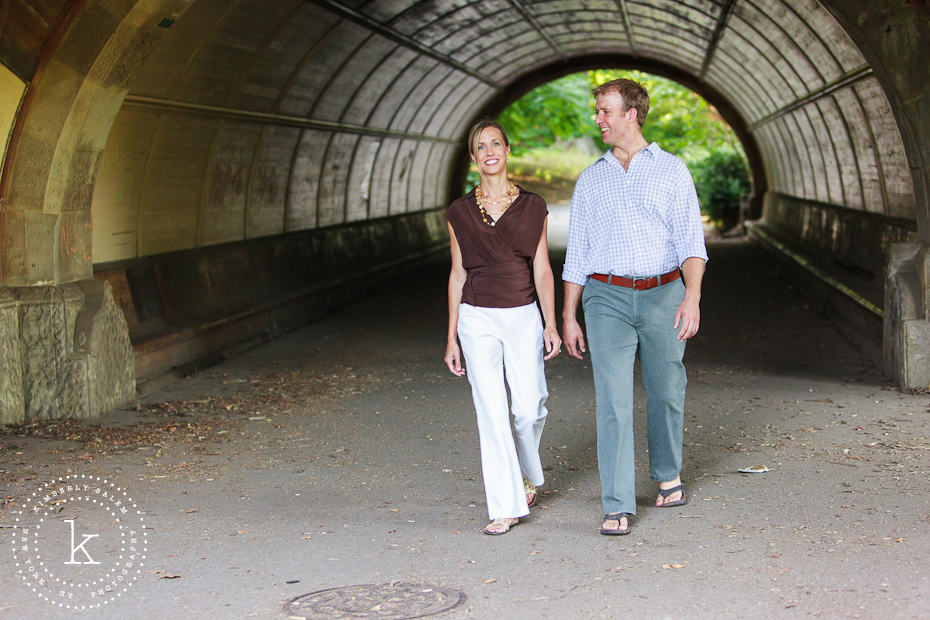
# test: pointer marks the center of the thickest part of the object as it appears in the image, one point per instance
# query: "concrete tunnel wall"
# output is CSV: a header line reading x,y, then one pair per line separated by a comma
x,y
231,168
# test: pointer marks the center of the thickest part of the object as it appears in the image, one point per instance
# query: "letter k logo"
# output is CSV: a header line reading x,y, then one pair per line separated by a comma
x,y
74,549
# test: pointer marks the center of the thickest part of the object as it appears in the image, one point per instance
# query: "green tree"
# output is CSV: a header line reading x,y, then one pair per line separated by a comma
x,y
721,181
558,110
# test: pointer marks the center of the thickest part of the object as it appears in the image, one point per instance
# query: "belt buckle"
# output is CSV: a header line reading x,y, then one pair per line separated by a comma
x,y
645,283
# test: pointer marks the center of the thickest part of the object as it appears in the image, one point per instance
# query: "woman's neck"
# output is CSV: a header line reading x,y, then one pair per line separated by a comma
x,y
495,186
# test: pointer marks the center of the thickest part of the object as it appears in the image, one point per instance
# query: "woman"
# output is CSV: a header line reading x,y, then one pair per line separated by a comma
x,y
497,237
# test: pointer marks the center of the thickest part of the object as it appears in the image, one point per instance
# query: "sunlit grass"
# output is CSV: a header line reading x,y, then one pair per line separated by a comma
x,y
549,171
549,162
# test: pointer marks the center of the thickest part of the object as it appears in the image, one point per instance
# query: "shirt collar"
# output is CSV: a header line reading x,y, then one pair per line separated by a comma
x,y
653,149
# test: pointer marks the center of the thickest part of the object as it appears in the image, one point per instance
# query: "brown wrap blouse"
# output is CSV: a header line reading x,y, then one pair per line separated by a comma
x,y
498,259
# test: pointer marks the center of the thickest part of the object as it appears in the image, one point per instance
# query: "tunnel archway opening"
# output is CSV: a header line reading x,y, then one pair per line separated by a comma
x,y
553,137
495,106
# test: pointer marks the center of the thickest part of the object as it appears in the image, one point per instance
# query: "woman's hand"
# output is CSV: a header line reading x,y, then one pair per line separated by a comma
x,y
551,342
453,359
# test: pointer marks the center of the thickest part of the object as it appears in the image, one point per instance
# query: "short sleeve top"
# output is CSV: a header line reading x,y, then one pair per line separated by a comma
x,y
498,259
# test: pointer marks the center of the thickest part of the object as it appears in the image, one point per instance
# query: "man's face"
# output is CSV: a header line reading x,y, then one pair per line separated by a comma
x,y
613,119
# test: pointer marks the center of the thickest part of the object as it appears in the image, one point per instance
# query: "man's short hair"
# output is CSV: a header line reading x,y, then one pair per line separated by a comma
x,y
633,93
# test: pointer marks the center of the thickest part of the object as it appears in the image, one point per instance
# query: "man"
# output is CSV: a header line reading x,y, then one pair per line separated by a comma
x,y
635,260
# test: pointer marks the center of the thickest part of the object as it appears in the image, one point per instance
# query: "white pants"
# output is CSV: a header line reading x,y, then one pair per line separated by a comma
x,y
494,339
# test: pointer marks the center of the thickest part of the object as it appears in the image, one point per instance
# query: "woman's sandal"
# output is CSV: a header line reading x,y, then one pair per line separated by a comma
x,y
506,523
663,493
616,517
531,496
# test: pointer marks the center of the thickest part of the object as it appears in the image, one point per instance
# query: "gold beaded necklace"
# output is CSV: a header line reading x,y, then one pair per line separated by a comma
x,y
504,202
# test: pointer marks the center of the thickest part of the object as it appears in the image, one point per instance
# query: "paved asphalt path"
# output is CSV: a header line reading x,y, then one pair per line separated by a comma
x,y
345,454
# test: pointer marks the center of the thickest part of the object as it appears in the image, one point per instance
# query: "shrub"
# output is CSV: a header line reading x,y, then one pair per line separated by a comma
x,y
721,182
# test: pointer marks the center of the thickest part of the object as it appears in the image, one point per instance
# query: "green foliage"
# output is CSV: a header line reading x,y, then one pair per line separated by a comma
x,y
679,120
559,110
721,181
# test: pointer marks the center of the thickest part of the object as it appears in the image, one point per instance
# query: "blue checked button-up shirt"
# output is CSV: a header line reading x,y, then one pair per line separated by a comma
x,y
640,222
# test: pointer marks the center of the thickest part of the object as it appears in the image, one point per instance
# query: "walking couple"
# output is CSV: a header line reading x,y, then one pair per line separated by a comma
x,y
635,260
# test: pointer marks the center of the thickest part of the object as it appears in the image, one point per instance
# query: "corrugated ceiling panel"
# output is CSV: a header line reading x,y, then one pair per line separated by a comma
x,y
262,85
364,79
358,194
381,10
820,21
317,68
468,41
866,157
422,18
758,56
400,176
524,51
381,178
420,96
898,182
395,95
268,197
780,29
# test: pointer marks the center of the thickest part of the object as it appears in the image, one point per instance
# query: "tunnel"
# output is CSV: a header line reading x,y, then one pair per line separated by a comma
x,y
181,178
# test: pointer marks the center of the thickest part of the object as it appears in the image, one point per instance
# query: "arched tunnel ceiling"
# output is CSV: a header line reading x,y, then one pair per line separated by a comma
x,y
255,118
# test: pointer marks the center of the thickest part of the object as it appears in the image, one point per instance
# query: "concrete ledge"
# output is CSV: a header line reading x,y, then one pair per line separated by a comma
x,y
189,308
190,348
838,256
848,301
851,241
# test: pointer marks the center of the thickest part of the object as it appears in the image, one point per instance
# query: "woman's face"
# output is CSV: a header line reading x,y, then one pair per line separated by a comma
x,y
491,152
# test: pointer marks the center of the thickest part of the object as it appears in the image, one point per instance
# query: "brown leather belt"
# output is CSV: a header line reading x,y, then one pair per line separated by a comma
x,y
640,284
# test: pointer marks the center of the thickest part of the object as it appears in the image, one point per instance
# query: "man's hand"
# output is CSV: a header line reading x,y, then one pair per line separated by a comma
x,y
687,319
688,315
573,338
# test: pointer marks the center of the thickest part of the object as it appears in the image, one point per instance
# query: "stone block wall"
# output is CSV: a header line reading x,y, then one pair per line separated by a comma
x,y
907,316
64,352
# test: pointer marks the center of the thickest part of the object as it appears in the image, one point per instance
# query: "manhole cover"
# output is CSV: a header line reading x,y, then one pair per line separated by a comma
x,y
387,600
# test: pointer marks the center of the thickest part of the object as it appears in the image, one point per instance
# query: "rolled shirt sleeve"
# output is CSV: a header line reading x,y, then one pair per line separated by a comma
x,y
687,227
